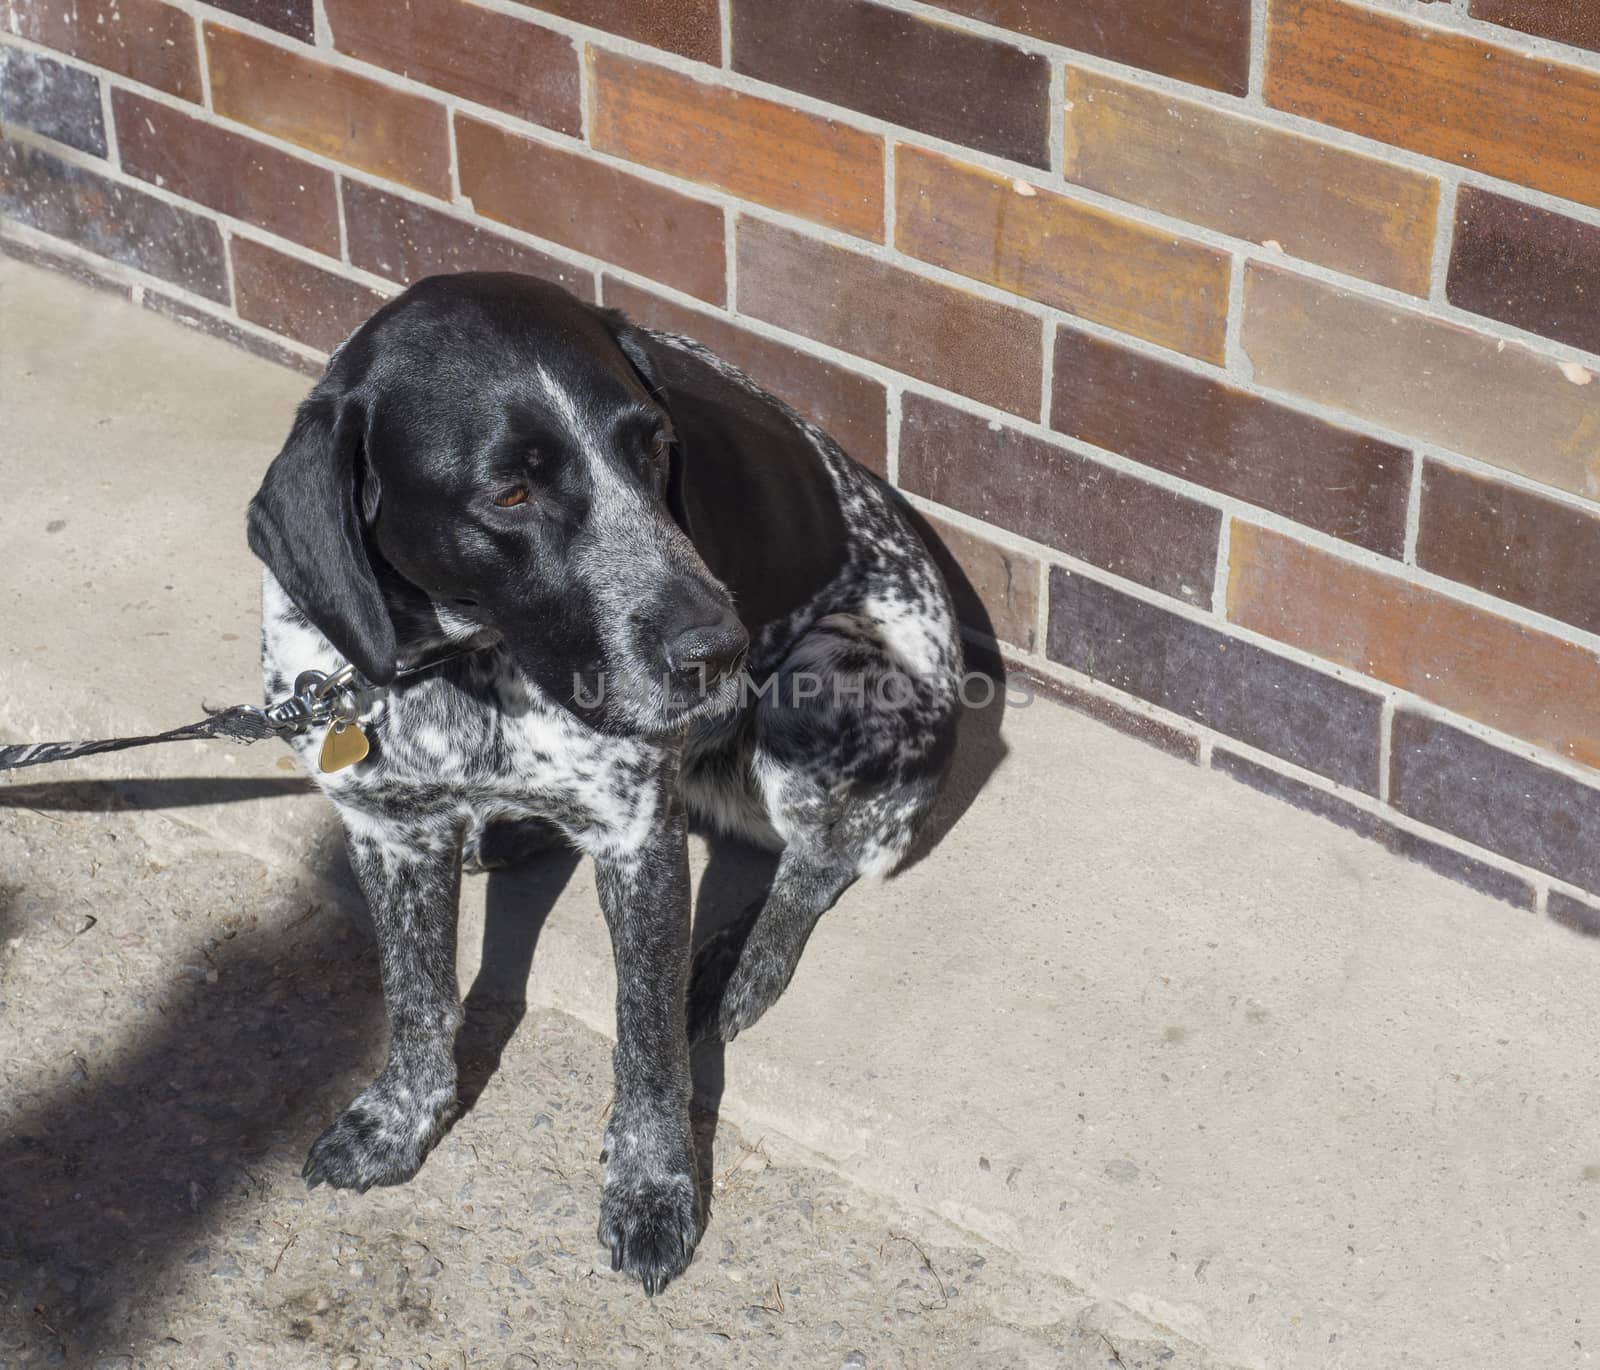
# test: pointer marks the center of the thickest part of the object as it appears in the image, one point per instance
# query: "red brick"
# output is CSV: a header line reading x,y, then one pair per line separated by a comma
x,y
478,54
405,241
995,589
692,28
1510,542
296,299
1474,663
757,149
1209,432
852,409
1062,252
1246,178
1128,526
143,40
902,68
349,118
942,335
226,171
1204,42
1443,94
592,207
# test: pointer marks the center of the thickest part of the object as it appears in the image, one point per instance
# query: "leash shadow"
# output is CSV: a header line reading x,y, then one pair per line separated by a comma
x,y
121,796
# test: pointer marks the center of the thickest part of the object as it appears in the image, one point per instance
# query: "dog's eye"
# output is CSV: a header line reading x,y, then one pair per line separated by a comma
x,y
508,499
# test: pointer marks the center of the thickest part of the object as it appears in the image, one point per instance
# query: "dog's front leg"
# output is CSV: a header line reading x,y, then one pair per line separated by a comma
x,y
650,1209
410,873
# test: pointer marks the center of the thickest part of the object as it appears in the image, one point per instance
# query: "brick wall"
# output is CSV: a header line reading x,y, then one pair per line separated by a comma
x,y
1241,351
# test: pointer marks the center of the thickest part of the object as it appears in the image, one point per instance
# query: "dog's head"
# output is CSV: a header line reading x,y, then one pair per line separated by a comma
x,y
492,447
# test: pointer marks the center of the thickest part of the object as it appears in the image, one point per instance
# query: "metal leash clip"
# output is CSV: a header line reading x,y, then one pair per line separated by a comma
x,y
318,697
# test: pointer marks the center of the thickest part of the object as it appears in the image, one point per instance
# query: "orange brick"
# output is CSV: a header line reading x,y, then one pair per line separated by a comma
x,y
1073,256
143,40
1446,95
1527,683
757,149
1501,402
347,117
1248,179
491,58
585,204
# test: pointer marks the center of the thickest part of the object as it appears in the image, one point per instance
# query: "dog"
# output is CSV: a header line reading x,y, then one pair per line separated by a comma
x,y
594,580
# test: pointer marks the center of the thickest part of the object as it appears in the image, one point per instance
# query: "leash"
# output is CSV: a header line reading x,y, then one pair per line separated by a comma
x,y
319,697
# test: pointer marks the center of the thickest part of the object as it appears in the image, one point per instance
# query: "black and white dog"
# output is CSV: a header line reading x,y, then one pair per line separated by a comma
x,y
596,580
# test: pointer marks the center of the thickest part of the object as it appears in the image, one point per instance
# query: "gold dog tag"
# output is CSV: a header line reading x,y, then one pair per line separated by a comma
x,y
343,745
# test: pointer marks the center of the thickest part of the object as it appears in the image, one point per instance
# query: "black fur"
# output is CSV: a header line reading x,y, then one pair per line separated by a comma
x,y
700,606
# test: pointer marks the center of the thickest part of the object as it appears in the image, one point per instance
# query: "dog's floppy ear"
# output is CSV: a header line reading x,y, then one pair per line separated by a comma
x,y
636,348
306,526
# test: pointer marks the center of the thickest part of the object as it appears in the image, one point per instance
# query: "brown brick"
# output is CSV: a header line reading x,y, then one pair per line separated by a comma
x,y
1502,402
1061,252
1495,799
945,336
406,241
52,99
296,299
1509,542
690,27
1119,522
1445,861
1248,179
1567,21
180,311
1443,94
995,589
1526,266
902,68
112,220
1268,701
82,272
757,149
478,54
293,17
1204,42
1206,431
226,171
1573,913
1023,680
591,207
850,408
1479,665
350,118
143,40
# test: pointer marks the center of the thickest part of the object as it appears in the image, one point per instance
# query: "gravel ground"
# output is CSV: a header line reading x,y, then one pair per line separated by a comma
x,y
181,1021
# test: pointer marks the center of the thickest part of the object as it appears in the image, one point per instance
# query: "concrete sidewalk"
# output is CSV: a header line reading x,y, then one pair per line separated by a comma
x,y
1205,1056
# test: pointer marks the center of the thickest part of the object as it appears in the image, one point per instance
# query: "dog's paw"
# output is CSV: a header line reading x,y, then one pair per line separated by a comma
x,y
714,965
731,984
651,1228
382,1138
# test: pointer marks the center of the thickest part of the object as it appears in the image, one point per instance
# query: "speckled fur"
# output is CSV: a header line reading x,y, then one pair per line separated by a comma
x,y
838,778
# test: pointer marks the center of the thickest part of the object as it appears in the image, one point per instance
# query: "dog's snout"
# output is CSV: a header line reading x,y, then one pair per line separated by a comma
x,y
715,646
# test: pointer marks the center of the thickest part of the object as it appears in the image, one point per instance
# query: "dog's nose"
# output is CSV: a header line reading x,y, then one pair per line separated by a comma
x,y
715,647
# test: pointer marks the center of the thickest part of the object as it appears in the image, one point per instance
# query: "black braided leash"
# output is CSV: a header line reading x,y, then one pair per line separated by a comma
x,y
318,698
242,723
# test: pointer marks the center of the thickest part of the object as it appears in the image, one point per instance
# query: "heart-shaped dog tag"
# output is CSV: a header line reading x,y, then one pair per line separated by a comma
x,y
343,745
